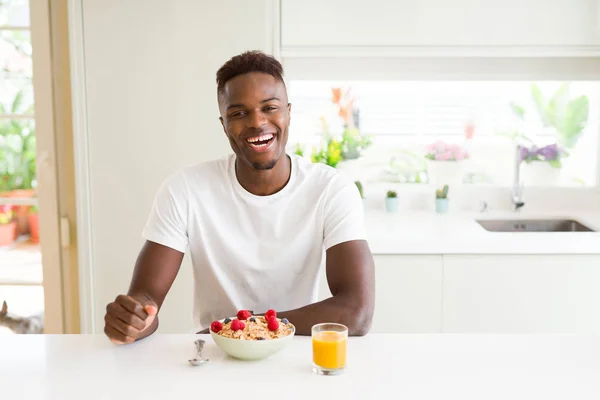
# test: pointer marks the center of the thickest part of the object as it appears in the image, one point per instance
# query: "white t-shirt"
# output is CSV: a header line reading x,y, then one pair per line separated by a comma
x,y
254,252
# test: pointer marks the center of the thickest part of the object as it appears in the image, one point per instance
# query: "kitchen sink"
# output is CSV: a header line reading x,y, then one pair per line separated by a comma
x,y
533,225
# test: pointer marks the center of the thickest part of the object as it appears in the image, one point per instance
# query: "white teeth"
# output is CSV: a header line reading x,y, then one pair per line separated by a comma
x,y
260,138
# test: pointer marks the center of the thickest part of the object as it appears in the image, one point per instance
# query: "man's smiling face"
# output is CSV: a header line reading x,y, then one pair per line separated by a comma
x,y
255,115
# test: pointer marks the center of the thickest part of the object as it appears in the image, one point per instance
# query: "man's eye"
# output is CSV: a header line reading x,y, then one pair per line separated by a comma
x,y
237,114
270,108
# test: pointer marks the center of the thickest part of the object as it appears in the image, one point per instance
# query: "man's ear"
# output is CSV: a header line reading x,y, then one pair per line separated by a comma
x,y
223,124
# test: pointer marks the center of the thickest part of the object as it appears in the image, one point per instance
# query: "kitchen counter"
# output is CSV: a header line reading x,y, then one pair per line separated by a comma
x,y
380,366
458,233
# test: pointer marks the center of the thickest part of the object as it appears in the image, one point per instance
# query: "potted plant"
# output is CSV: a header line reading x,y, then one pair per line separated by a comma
x,y
564,117
391,201
8,226
445,162
359,186
441,200
18,159
34,224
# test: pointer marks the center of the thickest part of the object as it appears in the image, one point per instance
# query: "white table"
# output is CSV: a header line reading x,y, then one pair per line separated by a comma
x,y
379,367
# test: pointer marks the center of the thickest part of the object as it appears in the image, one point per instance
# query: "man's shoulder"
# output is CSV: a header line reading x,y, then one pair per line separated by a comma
x,y
204,172
214,166
199,173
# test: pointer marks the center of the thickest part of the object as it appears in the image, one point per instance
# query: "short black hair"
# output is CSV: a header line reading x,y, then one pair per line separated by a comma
x,y
249,61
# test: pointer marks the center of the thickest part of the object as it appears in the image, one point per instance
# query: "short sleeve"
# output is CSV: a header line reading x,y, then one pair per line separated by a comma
x,y
167,222
343,213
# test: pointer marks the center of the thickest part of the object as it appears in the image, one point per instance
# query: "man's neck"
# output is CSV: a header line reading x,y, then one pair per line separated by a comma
x,y
264,182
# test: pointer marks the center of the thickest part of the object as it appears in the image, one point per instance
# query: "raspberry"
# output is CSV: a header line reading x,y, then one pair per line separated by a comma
x,y
273,325
243,314
269,314
216,326
237,325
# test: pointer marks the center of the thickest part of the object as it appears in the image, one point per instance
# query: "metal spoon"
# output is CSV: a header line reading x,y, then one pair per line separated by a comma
x,y
198,360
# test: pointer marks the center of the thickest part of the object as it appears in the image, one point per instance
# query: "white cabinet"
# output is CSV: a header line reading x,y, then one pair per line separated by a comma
x,y
408,293
431,23
522,294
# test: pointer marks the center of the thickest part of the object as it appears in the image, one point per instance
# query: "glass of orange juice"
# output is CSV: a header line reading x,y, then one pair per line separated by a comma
x,y
329,348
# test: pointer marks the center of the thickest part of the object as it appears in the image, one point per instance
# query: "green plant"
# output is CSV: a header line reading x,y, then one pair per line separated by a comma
x,y
360,189
567,116
405,166
330,155
34,210
299,150
17,148
6,214
442,193
353,142
391,194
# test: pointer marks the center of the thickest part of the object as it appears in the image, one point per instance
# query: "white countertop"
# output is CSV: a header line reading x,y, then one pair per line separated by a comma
x,y
422,232
390,366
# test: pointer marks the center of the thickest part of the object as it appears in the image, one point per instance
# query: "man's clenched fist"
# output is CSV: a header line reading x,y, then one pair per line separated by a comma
x,y
128,317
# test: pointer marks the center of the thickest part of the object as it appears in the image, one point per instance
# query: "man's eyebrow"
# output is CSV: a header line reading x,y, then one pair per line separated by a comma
x,y
235,106
262,102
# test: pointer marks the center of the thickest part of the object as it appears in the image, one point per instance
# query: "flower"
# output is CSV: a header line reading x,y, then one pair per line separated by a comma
x,y
336,95
547,153
442,151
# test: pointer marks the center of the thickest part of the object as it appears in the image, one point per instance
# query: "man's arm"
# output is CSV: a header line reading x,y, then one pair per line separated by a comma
x,y
351,279
134,316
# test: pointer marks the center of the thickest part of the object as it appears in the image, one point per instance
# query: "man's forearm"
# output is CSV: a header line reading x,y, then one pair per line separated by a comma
x,y
356,315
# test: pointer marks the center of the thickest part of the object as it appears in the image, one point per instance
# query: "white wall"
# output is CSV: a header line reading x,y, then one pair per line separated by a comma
x,y
151,108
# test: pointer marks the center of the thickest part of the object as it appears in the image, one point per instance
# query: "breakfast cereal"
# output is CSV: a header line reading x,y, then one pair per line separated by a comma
x,y
253,327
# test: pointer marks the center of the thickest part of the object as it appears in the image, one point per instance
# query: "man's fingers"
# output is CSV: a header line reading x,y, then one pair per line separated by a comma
x,y
118,311
132,305
151,309
121,326
117,337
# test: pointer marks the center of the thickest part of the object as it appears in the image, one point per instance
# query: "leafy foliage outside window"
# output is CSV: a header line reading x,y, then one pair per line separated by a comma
x,y
17,149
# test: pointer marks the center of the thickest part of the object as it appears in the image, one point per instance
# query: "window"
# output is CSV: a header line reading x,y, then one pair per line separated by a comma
x,y
555,122
20,257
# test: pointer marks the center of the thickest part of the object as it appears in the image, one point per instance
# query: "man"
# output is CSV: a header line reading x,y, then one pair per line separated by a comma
x,y
257,224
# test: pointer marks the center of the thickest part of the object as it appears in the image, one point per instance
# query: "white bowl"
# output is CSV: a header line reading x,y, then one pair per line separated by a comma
x,y
251,349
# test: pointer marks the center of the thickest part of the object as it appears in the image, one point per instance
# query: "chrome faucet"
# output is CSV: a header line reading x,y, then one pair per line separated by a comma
x,y
517,189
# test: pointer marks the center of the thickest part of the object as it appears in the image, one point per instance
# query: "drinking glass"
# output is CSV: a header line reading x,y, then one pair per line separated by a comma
x,y
329,348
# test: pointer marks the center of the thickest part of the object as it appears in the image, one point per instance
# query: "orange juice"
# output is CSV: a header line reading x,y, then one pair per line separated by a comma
x,y
329,349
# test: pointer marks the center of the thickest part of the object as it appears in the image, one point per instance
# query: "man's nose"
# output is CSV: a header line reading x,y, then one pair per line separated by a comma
x,y
256,120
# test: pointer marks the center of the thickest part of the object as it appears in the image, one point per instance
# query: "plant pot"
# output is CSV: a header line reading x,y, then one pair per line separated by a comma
x,y
445,172
391,204
8,233
441,206
539,173
21,212
34,227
